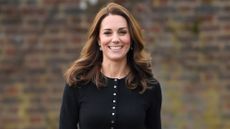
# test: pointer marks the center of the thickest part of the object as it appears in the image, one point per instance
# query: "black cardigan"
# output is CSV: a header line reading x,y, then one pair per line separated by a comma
x,y
111,107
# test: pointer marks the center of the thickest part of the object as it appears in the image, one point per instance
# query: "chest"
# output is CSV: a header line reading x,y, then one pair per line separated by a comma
x,y
113,106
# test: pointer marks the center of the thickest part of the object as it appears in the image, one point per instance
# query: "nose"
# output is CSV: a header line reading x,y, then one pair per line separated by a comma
x,y
115,38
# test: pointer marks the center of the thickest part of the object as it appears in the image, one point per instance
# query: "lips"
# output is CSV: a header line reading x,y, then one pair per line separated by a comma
x,y
115,47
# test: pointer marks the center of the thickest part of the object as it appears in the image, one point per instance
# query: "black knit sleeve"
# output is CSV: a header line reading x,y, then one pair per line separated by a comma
x,y
154,112
69,109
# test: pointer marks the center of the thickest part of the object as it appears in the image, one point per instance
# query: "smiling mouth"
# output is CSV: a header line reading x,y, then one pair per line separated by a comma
x,y
115,47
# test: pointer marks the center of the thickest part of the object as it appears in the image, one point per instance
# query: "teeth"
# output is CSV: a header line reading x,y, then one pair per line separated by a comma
x,y
115,47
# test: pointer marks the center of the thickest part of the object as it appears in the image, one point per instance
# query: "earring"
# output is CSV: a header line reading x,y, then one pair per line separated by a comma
x,y
131,47
99,44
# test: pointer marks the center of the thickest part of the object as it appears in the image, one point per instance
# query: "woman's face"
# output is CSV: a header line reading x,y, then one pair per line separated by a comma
x,y
114,38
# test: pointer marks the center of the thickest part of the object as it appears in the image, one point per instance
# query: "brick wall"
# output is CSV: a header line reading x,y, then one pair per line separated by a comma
x,y
189,41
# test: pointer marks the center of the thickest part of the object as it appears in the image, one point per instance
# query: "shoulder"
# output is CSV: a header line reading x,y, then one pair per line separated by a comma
x,y
70,89
80,88
154,86
78,85
73,92
153,94
153,83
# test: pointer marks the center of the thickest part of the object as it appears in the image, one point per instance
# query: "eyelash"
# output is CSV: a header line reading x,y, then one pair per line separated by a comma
x,y
122,32
107,33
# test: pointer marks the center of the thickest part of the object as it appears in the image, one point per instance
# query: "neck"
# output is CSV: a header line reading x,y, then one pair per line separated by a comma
x,y
115,69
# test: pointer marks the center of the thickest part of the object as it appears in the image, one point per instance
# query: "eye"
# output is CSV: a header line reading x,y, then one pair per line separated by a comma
x,y
123,32
107,33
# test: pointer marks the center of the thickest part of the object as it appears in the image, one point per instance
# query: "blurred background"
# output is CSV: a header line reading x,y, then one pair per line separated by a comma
x,y
189,41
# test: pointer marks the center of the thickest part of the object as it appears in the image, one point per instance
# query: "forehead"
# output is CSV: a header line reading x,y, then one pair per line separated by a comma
x,y
113,21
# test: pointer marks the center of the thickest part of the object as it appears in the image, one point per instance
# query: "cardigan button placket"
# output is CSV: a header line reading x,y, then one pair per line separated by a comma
x,y
114,104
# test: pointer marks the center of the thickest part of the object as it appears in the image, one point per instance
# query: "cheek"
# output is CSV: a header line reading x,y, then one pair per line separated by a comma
x,y
126,40
104,40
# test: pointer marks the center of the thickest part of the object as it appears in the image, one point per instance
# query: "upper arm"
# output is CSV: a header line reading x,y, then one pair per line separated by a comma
x,y
153,119
69,109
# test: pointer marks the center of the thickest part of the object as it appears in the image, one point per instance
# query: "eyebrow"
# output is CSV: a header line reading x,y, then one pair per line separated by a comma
x,y
121,28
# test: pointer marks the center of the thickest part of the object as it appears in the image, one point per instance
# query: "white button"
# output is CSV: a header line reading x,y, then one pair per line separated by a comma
x,y
115,79
114,94
114,101
112,121
115,86
112,127
114,107
113,114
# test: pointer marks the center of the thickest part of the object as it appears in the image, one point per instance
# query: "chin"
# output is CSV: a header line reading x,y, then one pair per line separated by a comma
x,y
116,58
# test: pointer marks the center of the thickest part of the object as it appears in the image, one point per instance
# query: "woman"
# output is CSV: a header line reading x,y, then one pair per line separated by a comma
x,y
111,85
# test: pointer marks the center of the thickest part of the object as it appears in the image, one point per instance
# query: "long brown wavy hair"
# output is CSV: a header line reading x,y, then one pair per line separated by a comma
x,y
87,68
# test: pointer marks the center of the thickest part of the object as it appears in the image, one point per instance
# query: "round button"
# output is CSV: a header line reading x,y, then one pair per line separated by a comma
x,y
115,86
114,94
114,101
114,107
113,113
112,121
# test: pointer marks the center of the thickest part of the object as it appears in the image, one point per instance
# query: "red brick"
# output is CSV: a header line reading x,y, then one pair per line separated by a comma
x,y
36,119
61,1
33,11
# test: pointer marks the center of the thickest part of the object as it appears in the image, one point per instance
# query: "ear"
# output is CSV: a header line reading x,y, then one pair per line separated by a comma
x,y
99,42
